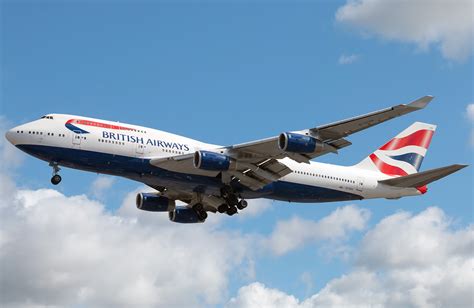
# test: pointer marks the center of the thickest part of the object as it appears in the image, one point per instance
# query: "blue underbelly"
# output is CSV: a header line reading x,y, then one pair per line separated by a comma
x,y
141,170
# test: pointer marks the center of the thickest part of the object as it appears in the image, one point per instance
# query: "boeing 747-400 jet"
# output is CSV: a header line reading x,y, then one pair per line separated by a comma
x,y
214,178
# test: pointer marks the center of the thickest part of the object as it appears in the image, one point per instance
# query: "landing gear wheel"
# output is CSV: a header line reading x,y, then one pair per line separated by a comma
x,y
56,179
201,213
222,208
231,210
242,204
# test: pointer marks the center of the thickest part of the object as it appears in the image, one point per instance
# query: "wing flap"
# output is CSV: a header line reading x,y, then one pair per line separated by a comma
x,y
253,175
422,178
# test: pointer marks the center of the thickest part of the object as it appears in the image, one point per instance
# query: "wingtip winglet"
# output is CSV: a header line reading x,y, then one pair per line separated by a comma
x,y
421,102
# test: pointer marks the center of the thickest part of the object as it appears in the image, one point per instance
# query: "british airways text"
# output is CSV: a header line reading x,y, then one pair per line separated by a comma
x,y
141,140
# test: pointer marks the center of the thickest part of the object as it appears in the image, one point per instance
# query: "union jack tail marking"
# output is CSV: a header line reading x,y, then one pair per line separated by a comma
x,y
403,154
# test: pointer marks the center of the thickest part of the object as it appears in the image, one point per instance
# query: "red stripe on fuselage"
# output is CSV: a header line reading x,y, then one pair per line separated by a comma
x,y
98,124
386,168
421,138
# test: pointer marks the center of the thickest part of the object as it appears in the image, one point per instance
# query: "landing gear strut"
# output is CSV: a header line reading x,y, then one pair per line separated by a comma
x,y
56,179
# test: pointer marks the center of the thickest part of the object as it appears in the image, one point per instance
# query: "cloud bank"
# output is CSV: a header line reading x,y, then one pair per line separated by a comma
x,y
294,233
51,242
101,185
448,25
406,260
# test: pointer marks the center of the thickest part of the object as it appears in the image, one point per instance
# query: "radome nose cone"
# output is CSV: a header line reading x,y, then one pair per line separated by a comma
x,y
9,135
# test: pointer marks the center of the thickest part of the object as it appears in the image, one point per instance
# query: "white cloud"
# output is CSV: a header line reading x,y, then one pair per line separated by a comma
x,y
470,112
255,208
307,279
404,261
295,232
257,295
101,185
10,157
348,59
67,251
424,239
447,24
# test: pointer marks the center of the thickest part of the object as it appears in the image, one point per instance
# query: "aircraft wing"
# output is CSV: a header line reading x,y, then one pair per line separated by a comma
x,y
255,164
331,134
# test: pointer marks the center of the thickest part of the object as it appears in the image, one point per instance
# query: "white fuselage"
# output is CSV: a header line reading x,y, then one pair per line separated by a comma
x,y
125,150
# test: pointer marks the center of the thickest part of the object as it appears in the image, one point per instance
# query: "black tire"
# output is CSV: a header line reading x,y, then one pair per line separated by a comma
x,y
198,207
242,204
56,179
202,215
232,210
222,208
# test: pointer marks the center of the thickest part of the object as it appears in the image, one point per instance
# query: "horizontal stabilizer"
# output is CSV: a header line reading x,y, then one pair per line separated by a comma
x,y
422,178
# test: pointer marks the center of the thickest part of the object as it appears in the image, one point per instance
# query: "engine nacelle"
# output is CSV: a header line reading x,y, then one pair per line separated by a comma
x,y
296,143
211,161
153,202
184,215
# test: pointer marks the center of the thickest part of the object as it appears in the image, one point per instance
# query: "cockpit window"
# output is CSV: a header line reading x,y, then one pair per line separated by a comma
x,y
47,117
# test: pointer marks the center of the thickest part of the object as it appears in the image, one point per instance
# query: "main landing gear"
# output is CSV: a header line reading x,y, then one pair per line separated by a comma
x,y
56,179
201,213
232,202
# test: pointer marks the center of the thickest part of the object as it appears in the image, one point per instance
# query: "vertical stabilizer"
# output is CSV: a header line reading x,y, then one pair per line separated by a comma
x,y
403,154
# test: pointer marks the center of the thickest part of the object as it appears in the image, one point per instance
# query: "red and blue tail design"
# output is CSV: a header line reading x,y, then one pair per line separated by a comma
x,y
403,154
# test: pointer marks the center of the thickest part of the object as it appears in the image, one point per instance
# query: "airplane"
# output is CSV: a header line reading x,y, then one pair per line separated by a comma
x,y
220,179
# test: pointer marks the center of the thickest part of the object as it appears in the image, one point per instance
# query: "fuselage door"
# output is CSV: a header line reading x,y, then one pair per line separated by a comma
x,y
76,138
360,184
140,149
40,136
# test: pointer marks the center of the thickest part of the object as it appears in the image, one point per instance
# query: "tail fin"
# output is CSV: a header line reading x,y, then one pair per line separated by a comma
x,y
403,154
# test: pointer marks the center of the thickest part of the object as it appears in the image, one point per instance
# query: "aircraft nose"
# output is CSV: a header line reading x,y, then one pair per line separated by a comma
x,y
10,136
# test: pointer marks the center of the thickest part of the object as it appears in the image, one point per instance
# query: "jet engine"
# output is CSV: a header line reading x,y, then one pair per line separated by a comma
x,y
153,202
184,215
296,143
211,161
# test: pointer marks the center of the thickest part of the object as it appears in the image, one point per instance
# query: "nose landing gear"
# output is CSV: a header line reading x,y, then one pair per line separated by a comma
x,y
56,179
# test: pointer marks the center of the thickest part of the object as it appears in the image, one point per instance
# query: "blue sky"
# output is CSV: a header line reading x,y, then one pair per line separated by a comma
x,y
230,72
